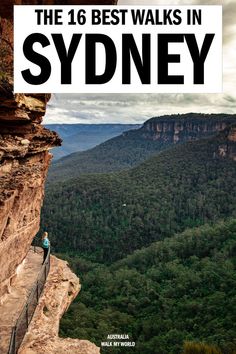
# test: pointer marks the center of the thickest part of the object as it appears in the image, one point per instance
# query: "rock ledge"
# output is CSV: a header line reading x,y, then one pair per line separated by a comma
x,y
42,337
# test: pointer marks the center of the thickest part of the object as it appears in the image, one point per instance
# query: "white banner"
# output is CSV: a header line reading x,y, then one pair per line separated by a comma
x,y
117,49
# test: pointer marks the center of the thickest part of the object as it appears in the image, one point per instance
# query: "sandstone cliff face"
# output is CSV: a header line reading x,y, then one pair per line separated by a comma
x,y
24,156
42,338
176,129
24,161
228,148
232,134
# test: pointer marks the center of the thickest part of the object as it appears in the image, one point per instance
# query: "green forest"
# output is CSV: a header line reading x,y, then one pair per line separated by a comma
x,y
180,289
155,248
107,216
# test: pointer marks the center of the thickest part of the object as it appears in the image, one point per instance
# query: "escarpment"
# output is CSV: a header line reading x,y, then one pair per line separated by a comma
x,y
185,127
24,161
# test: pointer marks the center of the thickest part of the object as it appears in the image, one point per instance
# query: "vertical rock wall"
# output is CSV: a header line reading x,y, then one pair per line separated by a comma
x,y
24,152
24,161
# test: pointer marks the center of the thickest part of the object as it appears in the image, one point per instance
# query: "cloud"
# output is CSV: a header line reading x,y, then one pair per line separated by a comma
x,y
133,108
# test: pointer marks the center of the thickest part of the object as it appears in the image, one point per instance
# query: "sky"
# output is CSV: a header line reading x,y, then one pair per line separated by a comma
x,y
136,108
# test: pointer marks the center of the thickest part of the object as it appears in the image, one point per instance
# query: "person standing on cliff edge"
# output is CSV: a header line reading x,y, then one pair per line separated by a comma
x,y
45,245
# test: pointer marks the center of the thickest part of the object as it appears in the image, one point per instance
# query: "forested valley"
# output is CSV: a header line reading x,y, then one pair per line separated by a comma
x,y
155,248
137,145
180,289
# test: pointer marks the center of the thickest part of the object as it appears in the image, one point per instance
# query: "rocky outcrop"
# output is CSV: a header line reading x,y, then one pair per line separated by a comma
x,y
24,161
185,127
42,338
232,134
228,148
24,152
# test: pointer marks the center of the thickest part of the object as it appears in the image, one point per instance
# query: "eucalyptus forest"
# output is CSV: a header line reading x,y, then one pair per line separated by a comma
x,y
153,242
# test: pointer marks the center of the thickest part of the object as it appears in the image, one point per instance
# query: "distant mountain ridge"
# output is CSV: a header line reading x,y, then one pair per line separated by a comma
x,y
135,146
81,137
185,127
